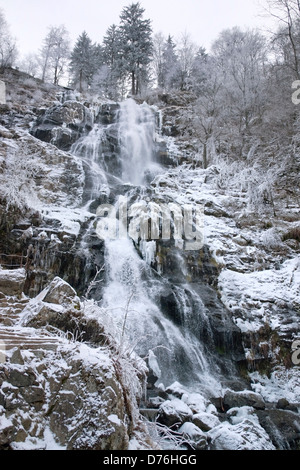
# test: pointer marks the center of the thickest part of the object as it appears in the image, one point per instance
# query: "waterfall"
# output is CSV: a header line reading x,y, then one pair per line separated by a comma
x,y
90,149
130,299
136,136
161,319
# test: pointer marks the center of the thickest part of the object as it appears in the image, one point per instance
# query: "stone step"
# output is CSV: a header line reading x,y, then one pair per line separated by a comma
x,y
26,339
10,310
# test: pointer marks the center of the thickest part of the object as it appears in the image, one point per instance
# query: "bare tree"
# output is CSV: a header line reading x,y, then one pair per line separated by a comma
x,y
208,111
241,57
55,53
288,13
187,51
8,47
30,64
158,56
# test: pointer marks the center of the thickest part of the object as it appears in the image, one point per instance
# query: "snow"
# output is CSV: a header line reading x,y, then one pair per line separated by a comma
x,y
196,402
246,435
282,383
114,419
4,423
207,418
48,442
257,289
190,430
153,364
176,406
70,218
16,275
92,356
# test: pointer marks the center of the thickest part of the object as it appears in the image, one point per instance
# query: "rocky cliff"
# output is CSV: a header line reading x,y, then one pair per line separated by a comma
x,y
69,379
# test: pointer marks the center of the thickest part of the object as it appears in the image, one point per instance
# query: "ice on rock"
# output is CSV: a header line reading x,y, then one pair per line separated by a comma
x,y
196,438
246,435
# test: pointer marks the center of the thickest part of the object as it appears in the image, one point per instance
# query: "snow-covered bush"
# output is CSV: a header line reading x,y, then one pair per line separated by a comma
x,y
18,187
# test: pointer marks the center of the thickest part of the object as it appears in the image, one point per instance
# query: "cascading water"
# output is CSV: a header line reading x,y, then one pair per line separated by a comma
x,y
89,149
136,137
130,294
133,292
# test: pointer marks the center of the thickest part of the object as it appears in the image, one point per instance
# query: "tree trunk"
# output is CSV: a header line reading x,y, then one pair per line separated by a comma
x,y
133,91
205,162
80,82
56,75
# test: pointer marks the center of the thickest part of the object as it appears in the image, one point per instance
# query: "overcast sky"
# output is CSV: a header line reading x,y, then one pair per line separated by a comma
x,y
203,19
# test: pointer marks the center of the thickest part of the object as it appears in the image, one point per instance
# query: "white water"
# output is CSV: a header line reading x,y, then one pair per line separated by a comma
x,y
129,297
131,292
89,148
137,138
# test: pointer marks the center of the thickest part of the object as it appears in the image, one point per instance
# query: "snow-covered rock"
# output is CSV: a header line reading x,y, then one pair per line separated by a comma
x,y
12,281
59,292
246,435
195,438
205,421
57,392
173,413
243,398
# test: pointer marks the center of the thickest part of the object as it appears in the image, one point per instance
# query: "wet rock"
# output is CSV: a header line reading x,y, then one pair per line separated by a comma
x,y
282,426
284,404
63,124
108,113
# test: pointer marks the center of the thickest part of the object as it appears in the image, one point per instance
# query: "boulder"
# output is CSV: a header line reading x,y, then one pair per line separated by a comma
x,y
205,421
196,439
59,292
284,404
173,413
246,435
12,281
86,407
63,124
244,398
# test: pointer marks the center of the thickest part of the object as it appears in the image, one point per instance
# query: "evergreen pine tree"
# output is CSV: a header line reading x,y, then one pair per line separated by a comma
x,y
84,59
136,44
170,66
113,62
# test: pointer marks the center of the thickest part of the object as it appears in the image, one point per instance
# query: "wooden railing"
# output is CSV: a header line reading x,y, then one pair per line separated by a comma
x,y
22,261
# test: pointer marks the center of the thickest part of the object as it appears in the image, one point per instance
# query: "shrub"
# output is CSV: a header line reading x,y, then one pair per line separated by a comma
x,y
292,234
